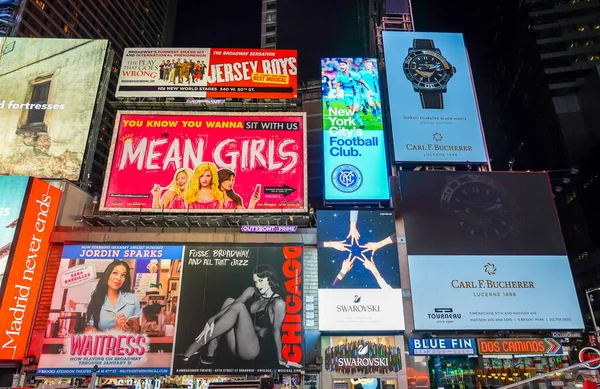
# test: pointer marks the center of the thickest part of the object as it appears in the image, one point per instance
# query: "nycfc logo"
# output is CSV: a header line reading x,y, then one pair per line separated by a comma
x,y
346,178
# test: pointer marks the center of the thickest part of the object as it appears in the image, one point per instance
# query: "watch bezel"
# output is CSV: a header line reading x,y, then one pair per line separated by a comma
x,y
438,85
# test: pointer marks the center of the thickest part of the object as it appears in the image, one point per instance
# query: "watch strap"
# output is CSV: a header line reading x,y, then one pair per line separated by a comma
x,y
431,99
423,44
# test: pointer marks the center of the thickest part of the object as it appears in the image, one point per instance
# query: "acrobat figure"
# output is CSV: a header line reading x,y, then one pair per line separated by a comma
x,y
367,262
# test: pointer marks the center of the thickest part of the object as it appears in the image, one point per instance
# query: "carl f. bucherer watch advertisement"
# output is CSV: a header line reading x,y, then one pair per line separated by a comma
x,y
432,98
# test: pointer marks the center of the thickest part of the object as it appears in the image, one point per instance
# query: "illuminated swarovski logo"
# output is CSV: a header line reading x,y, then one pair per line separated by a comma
x,y
362,349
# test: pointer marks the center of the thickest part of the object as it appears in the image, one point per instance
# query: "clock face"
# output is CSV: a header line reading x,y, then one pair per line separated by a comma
x,y
480,207
427,69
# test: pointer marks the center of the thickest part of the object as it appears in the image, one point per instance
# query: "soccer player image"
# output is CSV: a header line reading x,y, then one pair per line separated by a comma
x,y
371,77
326,89
349,82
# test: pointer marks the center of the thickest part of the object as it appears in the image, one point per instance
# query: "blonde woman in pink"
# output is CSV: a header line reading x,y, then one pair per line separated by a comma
x,y
174,197
203,190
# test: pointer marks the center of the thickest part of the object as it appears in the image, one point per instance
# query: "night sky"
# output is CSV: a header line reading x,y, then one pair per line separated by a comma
x,y
222,23
321,28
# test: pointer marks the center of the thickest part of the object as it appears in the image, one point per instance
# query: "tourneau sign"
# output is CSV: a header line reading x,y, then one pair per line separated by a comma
x,y
541,346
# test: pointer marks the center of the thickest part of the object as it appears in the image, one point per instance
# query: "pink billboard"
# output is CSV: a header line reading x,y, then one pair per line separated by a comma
x,y
207,163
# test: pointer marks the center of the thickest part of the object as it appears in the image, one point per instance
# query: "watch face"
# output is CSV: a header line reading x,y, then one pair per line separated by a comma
x,y
481,207
427,69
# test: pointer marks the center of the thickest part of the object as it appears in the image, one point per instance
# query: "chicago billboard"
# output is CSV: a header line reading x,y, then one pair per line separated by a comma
x,y
432,99
47,100
498,251
354,142
193,72
12,194
113,306
207,162
358,272
19,300
240,310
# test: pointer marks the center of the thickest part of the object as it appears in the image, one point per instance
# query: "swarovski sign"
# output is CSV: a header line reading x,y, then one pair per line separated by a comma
x,y
363,357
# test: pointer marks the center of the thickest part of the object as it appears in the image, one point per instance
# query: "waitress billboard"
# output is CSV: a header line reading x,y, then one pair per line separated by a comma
x,y
113,306
207,163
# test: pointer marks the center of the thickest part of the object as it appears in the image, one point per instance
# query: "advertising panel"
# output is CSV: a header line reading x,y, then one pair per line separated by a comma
x,y
359,276
442,346
354,142
207,162
240,310
113,306
497,213
12,194
47,100
24,280
193,72
512,346
433,106
363,355
483,292
491,245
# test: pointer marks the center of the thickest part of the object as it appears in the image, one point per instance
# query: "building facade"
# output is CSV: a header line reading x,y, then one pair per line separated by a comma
x,y
145,23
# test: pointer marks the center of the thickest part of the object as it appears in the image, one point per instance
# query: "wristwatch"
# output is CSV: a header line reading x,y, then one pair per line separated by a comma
x,y
429,72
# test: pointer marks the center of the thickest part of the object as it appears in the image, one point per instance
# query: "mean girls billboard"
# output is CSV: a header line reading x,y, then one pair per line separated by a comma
x,y
193,72
207,163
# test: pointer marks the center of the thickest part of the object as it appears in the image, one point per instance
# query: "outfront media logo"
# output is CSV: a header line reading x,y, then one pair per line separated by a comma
x,y
346,178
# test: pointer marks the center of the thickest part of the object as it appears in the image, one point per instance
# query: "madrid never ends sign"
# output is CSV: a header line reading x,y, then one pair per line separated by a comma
x,y
483,292
432,99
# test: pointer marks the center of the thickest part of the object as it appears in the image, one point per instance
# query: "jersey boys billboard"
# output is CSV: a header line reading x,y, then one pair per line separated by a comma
x,y
432,98
354,142
179,72
217,162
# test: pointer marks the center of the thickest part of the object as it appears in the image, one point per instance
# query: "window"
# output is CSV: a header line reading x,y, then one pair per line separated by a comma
x,y
34,122
270,39
271,28
271,16
272,5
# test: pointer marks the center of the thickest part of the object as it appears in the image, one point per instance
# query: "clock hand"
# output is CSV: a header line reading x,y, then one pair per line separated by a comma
x,y
493,207
424,74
